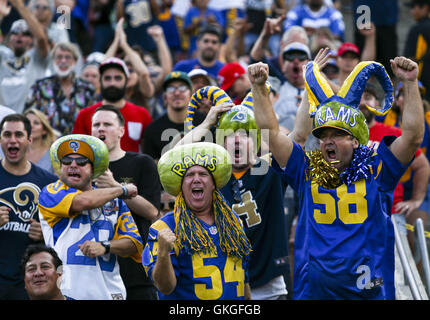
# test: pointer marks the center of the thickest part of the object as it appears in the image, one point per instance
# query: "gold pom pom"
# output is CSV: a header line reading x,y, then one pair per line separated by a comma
x,y
323,172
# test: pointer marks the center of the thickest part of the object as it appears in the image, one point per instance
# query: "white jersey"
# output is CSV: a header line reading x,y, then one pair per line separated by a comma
x,y
86,278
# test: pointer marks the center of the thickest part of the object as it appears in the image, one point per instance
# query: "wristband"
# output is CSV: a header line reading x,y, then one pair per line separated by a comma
x,y
124,192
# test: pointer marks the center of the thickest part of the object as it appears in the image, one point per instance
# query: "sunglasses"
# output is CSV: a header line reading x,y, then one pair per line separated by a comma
x,y
236,185
173,89
292,56
81,161
168,205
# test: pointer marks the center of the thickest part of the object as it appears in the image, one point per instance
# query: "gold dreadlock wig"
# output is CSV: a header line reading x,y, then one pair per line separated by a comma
x,y
341,111
190,235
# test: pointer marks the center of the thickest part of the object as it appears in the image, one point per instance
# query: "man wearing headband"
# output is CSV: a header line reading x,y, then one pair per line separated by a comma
x,y
87,226
199,250
344,245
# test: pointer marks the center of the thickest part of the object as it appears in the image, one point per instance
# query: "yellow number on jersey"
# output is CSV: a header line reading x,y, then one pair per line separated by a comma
x,y
233,272
346,201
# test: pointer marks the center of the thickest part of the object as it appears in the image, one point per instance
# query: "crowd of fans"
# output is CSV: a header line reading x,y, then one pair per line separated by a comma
x,y
62,59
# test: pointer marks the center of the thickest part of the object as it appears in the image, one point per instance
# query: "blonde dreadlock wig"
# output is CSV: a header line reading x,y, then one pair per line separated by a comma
x,y
190,234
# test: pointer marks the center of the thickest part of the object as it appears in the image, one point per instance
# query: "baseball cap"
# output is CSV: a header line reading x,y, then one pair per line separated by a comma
x,y
19,26
177,75
202,73
348,47
297,46
228,74
75,146
114,63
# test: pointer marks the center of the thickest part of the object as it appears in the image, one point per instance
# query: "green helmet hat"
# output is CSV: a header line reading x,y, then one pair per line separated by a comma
x,y
339,116
238,117
173,165
88,146
341,111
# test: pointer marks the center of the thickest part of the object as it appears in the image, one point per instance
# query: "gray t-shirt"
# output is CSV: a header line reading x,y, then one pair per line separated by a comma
x,y
17,75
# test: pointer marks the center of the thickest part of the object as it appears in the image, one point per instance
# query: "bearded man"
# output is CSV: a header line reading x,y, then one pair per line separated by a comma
x,y
114,75
61,96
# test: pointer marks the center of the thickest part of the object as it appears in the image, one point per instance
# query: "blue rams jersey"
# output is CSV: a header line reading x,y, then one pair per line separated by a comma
x,y
344,245
203,276
21,195
85,277
261,208
303,16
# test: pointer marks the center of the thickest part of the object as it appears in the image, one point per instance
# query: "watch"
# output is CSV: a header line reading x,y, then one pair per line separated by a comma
x,y
106,245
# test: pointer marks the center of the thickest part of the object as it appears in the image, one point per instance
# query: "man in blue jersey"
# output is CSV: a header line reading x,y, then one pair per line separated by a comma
x,y
20,185
199,250
344,245
314,14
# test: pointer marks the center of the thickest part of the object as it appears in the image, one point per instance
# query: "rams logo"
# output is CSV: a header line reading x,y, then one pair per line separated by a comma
x,y
74,145
22,199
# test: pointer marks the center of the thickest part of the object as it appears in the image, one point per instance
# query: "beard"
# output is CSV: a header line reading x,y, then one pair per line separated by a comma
x,y
208,55
65,73
112,93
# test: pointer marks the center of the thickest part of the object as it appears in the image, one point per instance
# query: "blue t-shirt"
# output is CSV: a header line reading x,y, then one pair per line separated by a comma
x,y
21,195
190,64
344,245
329,17
201,276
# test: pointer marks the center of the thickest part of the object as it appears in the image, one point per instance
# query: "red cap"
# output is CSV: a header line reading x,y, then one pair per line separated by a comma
x,y
228,75
348,47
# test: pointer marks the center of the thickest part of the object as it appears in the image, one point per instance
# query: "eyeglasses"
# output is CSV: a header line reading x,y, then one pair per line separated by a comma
x,y
170,205
26,33
172,89
38,6
236,185
292,56
81,161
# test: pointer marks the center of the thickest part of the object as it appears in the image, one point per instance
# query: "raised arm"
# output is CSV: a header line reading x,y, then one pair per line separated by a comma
x,y
280,145
302,123
34,26
404,147
203,129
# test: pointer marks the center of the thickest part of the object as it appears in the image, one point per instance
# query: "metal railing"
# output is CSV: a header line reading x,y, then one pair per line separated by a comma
x,y
412,281
421,251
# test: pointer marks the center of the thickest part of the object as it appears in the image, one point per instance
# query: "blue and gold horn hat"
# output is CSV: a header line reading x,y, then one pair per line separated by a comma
x,y
88,146
238,117
174,163
341,111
